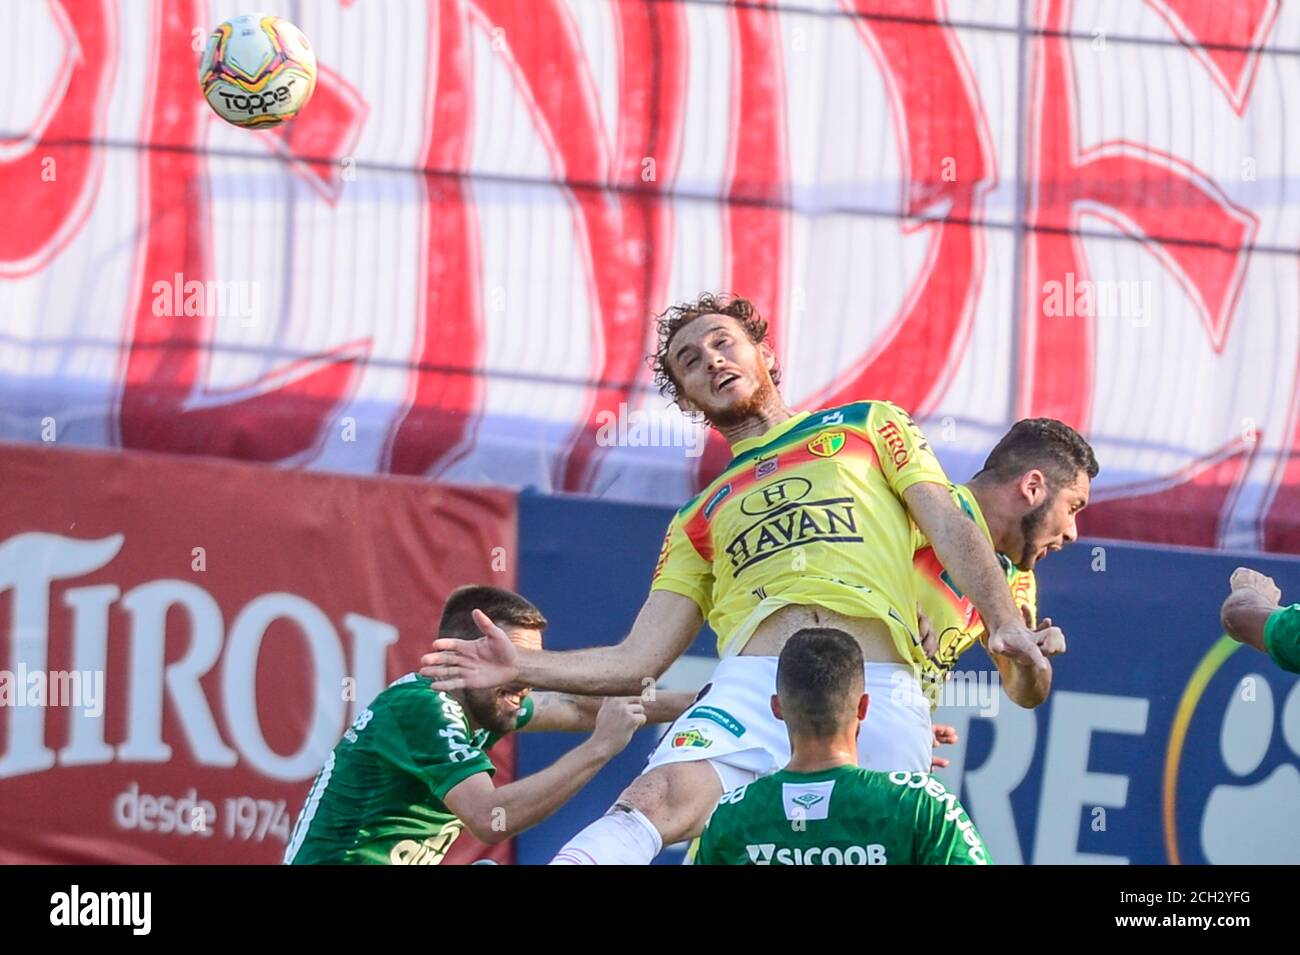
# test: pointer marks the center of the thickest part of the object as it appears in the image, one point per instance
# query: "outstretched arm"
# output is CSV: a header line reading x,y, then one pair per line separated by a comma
x,y
571,713
494,815
664,628
967,555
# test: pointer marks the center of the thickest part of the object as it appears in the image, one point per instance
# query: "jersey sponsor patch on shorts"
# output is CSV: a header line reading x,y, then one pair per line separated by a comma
x,y
721,717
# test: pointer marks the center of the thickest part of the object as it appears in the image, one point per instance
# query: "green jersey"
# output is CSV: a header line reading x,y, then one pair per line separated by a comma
x,y
1282,638
378,798
841,816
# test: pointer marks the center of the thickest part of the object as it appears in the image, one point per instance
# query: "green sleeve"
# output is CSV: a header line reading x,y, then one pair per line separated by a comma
x,y
1282,638
431,741
945,834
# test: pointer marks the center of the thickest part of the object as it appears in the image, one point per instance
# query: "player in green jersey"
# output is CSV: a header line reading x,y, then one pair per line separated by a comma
x,y
821,809
412,771
1253,615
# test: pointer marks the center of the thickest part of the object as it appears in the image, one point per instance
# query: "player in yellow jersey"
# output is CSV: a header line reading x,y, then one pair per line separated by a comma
x,y
1024,500
810,525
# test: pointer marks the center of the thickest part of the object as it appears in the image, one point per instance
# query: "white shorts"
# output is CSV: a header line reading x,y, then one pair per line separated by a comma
x,y
732,727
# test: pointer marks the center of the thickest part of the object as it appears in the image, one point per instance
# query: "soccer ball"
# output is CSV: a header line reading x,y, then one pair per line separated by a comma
x,y
257,70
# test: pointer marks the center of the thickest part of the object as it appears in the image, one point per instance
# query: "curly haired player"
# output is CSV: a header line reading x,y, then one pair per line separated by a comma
x,y
810,525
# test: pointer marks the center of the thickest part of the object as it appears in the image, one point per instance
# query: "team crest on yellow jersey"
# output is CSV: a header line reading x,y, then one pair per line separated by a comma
x,y
827,444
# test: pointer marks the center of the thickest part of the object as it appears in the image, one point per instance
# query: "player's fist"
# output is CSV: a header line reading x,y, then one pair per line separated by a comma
x,y
618,718
1253,594
1019,644
1051,641
1243,578
489,661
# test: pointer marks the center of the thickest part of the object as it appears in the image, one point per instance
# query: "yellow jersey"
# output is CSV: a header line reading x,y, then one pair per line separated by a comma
x,y
809,513
956,621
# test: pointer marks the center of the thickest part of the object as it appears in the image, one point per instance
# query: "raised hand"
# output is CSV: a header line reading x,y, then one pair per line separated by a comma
x,y
943,735
619,717
453,664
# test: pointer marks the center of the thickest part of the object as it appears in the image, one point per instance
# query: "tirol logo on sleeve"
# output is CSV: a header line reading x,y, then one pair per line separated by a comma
x,y
895,442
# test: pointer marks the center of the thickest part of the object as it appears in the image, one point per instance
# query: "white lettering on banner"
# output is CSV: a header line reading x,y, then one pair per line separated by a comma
x,y
89,606
31,563
239,673
1068,786
148,606
187,815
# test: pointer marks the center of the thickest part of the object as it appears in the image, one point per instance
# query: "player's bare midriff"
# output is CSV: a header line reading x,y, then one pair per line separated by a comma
x,y
872,634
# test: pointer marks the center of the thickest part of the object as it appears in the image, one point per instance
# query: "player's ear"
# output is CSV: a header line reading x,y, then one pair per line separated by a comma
x,y
862,707
1033,487
768,356
776,707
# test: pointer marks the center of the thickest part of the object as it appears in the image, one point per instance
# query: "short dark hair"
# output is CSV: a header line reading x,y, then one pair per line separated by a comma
x,y
1051,446
673,318
505,608
819,678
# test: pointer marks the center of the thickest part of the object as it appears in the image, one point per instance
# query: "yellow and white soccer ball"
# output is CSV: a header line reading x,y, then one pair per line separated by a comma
x,y
257,70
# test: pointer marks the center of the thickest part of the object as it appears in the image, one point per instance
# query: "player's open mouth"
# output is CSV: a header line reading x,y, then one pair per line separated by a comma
x,y
725,380
514,699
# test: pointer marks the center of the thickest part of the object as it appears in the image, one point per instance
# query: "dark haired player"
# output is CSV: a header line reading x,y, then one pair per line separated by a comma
x,y
821,809
412,771
808,526
1025,500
